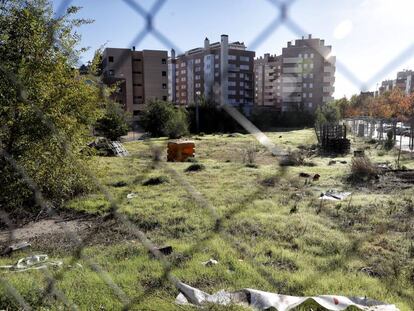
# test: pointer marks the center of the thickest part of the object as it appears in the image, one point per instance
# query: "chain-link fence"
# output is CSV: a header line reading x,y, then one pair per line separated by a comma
x,y
282,18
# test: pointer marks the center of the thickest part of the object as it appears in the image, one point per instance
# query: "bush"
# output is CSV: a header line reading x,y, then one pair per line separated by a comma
x,y
163,119
114,123
43,128
362,169
327,113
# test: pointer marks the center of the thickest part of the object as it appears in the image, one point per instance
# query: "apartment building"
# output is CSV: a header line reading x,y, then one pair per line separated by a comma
x,y
142,76
221,72
304,80
268,70
404,81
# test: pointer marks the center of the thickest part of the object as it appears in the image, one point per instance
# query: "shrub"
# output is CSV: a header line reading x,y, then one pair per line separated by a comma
x,y
114,123
249,156
363,169
163,119
195,167
294,158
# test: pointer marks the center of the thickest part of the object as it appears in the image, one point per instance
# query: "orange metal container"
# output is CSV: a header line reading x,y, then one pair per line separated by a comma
x,y
180,151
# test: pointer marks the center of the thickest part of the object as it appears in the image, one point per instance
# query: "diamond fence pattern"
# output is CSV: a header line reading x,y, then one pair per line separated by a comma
x,y
282,18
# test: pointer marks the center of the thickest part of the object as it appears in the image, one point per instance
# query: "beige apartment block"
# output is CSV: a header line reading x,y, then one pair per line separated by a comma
x,y
141,75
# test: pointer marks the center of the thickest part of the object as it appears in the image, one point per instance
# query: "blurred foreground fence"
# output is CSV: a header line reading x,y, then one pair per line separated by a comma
x,y
363,127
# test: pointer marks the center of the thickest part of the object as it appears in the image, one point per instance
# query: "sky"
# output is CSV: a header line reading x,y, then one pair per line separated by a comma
x,y
371,39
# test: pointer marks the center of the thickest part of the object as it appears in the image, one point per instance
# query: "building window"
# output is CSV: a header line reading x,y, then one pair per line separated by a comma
x,y
182,64
198,61
111,59
197,77
111,72
244,67
164,98
163,61
183,79
311,75
216,56
216,65
310,85
311,65
306,55
198,85
232,57
310,105
164,73
137,84
164,86
183,87
197,69
312,55
216,74
310,95
183,71
244,58
304,85
304,95
137,72
137,60
136,112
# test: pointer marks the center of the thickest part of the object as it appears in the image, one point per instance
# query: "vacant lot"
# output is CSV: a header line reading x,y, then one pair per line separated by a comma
x,y
264,225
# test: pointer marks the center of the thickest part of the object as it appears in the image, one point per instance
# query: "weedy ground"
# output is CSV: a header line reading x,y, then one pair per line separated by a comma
x,y
273,232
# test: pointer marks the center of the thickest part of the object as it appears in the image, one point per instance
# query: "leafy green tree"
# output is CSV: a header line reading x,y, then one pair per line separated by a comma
x,y
114,123
163,119
47,109
327,113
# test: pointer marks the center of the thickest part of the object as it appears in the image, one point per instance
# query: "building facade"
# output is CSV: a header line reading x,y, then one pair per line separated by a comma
x,y
221,72
404,82
268,70
141,75
305,79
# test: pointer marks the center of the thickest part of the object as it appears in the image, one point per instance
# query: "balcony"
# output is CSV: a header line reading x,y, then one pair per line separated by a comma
x,y
292,70
288,99
328,89
327,99
329,79
329,69
292,79
292,60
331,60
292,89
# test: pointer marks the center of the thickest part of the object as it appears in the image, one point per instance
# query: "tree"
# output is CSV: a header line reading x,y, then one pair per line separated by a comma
x,y
163,119
114,122
327,113
47,109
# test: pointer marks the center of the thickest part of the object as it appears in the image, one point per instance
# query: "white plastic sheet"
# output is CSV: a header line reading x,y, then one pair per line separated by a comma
x,y
34,262
259,300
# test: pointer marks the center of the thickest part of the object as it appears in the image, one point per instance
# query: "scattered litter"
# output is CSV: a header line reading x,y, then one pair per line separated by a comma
x,y
210,262
343,162
316,177
304,175
260,300
105,147
166,250
332,162
334,196
35,262
12,248
235,135
131,195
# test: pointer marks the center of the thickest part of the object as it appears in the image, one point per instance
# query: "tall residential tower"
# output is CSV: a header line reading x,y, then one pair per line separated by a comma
x,y
221,72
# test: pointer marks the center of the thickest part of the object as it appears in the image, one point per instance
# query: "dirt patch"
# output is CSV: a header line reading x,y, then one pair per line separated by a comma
x,y
63,235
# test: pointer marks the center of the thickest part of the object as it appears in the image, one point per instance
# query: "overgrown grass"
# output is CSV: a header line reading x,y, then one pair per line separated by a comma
x,y
319,249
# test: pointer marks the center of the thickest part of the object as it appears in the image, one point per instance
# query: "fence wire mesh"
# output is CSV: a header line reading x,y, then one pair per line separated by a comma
x,y
283,18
